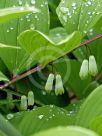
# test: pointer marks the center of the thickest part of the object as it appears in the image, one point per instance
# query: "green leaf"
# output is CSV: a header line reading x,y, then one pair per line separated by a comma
x,y
96,125
79,15
8,52
67,131
9,32
41,118
8,14
7,128
3,77
91,108
48,47
2,134
90,87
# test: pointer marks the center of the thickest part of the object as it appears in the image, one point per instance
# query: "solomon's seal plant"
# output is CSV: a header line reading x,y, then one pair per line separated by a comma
x,y
55,38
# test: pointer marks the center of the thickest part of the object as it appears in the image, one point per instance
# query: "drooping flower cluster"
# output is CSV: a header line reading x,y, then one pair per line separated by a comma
x,y
88,68
59,89
24,104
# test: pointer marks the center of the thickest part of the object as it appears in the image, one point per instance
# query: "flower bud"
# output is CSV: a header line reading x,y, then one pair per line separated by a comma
x,y
23,105
93,70
59,90
84,70
49,83
30,98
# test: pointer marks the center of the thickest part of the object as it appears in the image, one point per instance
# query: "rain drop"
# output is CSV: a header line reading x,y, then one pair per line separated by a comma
x,y
40,116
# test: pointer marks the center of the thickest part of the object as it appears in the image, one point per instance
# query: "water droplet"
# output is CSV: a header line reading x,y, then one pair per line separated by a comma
x,y
85,32
64,10
32,27
73,4
44,93
42,5
89,3
8,30
51,106
40,116
11,28
89,13
97,13
33,2
10,116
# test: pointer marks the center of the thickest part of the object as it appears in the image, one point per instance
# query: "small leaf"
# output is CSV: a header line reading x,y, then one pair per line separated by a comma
x,y
3,77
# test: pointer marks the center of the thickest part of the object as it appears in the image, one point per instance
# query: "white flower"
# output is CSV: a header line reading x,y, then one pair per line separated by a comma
x,y
59,90
84,70
93,70
49,83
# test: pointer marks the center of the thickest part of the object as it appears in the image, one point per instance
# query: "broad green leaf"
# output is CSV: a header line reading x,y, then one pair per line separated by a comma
x,y
90,87
3,77
3,68
41,118
7,128
8,14
9,32
79,15
6,51
96,125
2,134
98,25
48,47
67,131
91,108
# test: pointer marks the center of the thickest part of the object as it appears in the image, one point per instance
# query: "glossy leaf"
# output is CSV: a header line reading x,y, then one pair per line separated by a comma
x,y
78,15
70,131
96,125
7,128
48,47
42,118
9,32
88,110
